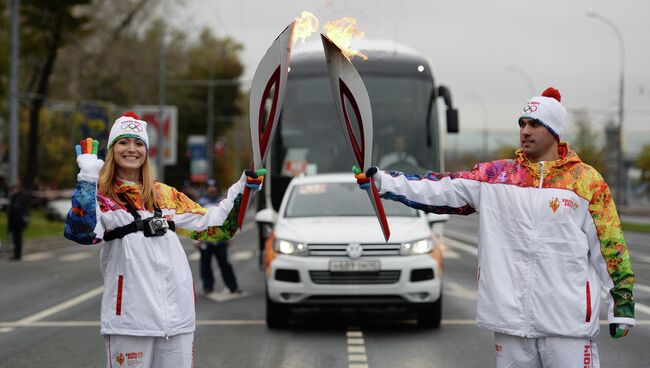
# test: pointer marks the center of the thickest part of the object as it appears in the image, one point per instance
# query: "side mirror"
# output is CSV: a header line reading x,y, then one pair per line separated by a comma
x,y
433,218
452,120
452,113
266,216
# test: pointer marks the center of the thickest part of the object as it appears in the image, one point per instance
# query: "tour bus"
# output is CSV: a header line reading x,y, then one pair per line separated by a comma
x,y
407,128
320,247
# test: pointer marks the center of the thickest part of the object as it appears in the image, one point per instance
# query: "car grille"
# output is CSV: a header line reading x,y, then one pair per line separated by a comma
x,y
355,278
338,250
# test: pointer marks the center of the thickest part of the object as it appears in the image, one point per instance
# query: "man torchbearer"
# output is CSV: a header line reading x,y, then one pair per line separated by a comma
x,y
549,240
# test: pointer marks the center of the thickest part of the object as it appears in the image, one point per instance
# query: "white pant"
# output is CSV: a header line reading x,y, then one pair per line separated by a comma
x,y
546,352
148,352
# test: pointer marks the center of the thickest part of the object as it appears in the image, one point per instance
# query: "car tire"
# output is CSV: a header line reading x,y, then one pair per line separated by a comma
x,y
429,315
277,315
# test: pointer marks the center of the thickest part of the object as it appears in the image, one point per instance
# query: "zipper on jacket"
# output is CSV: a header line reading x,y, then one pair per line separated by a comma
x,y
541,174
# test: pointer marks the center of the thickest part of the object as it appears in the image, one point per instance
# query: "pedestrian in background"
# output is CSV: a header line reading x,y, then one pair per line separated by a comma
x,y
217,249
550,240
18,218
147,309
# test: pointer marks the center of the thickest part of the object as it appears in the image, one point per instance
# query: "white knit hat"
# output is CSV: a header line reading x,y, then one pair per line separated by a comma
x,y
548,110
128,125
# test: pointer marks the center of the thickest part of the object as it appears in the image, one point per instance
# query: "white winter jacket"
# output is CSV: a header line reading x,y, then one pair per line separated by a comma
x,y
148,287
549,240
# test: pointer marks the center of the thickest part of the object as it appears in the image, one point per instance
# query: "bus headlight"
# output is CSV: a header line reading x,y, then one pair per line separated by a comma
x,y
291,248
416,247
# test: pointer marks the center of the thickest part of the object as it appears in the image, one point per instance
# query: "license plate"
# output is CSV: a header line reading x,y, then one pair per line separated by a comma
x,y
360,266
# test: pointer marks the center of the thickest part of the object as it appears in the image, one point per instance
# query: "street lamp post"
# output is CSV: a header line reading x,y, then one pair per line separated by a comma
x,y
620,190
529,81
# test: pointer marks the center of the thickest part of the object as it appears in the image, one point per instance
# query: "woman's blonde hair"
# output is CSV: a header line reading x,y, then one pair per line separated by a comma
x,y
107,175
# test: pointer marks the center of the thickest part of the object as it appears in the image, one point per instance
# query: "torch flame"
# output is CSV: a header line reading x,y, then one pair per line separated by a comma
x,y
305,26
341,32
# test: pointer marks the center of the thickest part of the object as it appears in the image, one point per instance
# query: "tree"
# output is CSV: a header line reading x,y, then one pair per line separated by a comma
x,y
46,27
643,162
585,142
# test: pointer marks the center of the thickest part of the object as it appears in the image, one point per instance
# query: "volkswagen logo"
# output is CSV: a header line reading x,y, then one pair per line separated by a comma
x,y
354,250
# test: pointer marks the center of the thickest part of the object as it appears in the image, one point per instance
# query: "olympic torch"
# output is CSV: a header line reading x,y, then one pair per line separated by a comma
x,y
269,82
347,85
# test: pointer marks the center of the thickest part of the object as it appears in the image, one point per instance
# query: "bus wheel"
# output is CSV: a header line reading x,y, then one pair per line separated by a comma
x,y
277,315
429,315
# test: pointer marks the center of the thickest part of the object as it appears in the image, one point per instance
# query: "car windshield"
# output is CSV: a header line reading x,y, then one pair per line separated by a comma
x,y
337,199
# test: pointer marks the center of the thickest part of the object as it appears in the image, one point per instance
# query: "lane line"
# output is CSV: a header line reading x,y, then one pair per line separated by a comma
x,y
57,308
473,250
225,295
242,255
62,306
462,246
37,256
78,256
357,357
250,322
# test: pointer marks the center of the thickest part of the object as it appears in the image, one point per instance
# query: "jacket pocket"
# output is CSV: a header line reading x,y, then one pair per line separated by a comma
x,y
588,300
118,301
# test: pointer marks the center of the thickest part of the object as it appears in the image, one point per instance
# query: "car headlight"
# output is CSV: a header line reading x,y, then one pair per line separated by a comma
x,y
291,248
421,246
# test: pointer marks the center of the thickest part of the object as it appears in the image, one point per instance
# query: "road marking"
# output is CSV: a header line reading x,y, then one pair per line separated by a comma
x,y
247,227
225,295
242,255
232,322
78,256
357,357
455,289
62,306
644,259
235,322
57,308
37,256
642,287
462,246
194,256
450,254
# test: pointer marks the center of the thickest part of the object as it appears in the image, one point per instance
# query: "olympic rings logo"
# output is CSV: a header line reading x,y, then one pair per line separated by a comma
x,y
132,126
530,107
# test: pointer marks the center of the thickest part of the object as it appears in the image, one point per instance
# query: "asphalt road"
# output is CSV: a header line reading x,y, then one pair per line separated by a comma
x,y
49,310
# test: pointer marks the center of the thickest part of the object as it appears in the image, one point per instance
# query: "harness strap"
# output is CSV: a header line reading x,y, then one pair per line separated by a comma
x,y
136,225
122,231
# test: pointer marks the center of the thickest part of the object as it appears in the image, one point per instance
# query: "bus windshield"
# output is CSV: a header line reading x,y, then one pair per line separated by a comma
x,y
310,139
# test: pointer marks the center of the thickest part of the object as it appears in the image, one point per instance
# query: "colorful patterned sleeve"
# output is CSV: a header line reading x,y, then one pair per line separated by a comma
x,y
609,253
214,224
82,223
442,193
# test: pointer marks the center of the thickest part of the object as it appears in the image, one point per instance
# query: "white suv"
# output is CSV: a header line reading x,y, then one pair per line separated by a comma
x,y
327,249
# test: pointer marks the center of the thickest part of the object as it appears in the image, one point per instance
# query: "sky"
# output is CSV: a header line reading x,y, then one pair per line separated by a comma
x,y
488,53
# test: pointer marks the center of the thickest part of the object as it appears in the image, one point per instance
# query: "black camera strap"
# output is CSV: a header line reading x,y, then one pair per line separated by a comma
x,y
136,225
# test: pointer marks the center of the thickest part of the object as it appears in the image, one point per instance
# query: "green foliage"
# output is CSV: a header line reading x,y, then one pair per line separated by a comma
x,y
643,163
585,142
505,151
39,226
115,61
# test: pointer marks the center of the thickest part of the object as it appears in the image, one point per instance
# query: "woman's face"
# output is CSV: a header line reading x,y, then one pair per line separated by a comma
x,y
129,153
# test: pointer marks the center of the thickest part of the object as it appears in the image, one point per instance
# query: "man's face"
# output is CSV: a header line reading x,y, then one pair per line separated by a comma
x,y
212,190
536,140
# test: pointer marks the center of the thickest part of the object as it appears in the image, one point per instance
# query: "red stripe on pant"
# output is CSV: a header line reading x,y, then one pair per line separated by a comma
x,y
118,303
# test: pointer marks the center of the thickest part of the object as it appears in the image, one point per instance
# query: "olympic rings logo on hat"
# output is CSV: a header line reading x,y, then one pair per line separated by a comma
x,y
131,126
531,107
